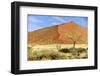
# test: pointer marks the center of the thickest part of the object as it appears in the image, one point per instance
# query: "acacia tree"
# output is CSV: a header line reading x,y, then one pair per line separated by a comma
x,y
74,38
75,35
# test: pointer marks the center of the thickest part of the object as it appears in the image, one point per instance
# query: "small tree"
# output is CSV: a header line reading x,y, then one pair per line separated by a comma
x,y
74,33
74,39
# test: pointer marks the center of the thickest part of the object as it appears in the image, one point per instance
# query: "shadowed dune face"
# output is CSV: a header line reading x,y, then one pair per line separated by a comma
x,y
59,34
74,30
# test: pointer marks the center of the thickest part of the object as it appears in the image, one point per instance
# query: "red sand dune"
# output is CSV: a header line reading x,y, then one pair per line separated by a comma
x,y
61,33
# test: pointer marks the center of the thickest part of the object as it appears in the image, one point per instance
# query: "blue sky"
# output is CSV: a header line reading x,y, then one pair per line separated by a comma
x,y
41,21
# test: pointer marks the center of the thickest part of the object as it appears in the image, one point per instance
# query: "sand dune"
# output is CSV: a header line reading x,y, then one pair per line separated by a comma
x,y
58,34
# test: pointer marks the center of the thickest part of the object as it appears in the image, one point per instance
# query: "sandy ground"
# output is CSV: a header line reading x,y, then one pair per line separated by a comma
x,y
54,46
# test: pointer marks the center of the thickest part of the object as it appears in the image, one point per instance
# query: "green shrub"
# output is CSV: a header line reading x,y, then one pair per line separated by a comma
x,y
80,50
65,50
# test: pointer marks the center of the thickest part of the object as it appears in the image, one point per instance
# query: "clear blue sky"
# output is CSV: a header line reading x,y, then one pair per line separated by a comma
x,y
41,21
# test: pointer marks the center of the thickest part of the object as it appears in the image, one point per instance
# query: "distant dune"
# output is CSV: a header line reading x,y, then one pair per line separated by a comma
x,y
59,34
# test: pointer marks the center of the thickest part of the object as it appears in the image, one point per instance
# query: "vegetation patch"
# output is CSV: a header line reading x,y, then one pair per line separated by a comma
x,y
59,54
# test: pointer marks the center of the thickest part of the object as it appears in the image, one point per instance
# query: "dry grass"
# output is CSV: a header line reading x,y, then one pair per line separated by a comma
x,y
51,52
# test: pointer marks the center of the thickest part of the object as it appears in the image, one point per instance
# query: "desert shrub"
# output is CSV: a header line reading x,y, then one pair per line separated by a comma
x,y
72,49
64,50
41,54
77,51
80,50
54,55
58,55
46,55
61,56
29,48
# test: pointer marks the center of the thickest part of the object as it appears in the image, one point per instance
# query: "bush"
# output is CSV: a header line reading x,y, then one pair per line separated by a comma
x,y
72,49
46,55
64,50
80,50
